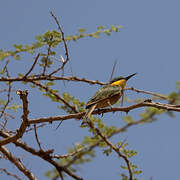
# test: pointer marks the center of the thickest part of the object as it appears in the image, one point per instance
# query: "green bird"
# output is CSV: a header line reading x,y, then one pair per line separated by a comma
x,y
107,95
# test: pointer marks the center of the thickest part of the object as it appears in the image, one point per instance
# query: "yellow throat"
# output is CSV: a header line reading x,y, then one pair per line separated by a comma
x,y
121,83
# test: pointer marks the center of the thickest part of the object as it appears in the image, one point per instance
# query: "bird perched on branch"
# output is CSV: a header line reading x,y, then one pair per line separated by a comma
x,y
107,95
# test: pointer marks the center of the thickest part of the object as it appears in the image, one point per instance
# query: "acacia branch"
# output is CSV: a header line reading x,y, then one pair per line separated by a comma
x,y
65,45
8,101
17,163
112,146
87,148
47,89
47,57
36,136
9,91
148,92
50,78
10,174
45,155
32,67
24,124
78,116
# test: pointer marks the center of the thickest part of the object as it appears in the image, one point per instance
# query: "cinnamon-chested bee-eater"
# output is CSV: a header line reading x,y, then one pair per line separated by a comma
x,y
107,95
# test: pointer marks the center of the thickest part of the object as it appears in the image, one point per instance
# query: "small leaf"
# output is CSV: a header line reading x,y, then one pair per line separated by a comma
x,y
81,30
100,27
128,119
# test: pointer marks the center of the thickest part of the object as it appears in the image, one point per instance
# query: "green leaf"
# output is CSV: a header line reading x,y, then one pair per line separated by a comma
x,y
178,85
137,172
107,152
81,30
128,119
20,75
50,83
100,27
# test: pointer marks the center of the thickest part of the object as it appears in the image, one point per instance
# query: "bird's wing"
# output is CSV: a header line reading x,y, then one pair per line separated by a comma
x,y
103,93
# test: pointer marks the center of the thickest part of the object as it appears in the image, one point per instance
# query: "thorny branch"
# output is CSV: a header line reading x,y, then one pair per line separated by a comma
x,y
24,124
65,45
8,101
146,103
75,79
82,151
17,162
32,67
36,136
8,95
45,155
47,89
47,57
148,92
112,146
10,174
50,78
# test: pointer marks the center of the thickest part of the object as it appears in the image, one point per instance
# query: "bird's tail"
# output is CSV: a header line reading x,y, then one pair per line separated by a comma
x,y
88,114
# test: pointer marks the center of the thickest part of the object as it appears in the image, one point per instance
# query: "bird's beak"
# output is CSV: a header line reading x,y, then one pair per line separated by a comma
x,y
128,77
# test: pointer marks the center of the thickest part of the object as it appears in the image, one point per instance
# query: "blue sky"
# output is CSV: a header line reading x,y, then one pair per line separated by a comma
x,y
148,44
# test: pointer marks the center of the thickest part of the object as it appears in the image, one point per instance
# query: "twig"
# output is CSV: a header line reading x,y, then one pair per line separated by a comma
x,y
8,101
10,174
47,57
36,136
32,67
65,45
9,91
30,129
69,154
56,95
112,146
24,124
148,92
45,155
17,163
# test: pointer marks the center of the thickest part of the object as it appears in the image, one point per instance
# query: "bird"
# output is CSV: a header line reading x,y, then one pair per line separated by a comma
x,y
106,96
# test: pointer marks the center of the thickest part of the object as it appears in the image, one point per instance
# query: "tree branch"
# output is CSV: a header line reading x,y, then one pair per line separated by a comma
x,y
65,45
45,155
112,146
50,78
17,163
10,174
24,124
32,67
146,103
8,101
36,136
148,92
47,89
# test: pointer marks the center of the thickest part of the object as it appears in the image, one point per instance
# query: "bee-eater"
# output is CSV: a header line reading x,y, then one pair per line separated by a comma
x,y
107,95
